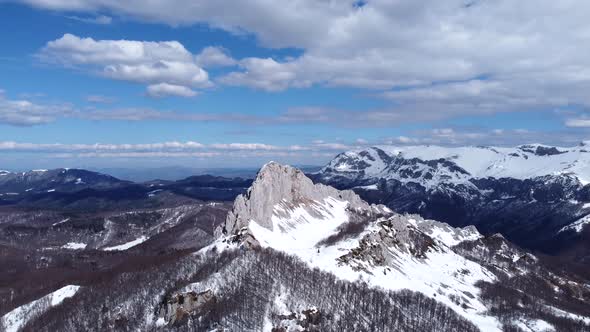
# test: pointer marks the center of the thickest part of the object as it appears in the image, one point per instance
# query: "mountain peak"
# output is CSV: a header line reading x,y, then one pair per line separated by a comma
x,y
277,191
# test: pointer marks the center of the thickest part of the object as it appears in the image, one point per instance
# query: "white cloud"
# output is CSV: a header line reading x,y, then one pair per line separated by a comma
x,y
168,72
142,155
173,146
433,59
578,123
214,57
73,50
154,63
524,61
242,146
264,74
165,90
486,137
26,113
168,149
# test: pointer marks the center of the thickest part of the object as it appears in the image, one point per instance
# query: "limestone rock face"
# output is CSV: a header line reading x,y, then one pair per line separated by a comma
x,y
286,186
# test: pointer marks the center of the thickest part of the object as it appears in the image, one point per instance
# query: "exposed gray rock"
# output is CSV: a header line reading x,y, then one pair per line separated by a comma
x,y
307,321
381,246
279,184
441,231
183,305
409,234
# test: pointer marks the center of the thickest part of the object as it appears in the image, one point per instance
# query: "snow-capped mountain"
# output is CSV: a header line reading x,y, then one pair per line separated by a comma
x,y
432,165
337,232
514,191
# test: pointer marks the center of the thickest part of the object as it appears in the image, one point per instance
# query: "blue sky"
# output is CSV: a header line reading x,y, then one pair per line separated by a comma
x,y
96,83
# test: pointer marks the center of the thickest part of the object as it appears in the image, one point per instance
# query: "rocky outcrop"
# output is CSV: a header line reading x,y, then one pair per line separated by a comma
x,y
399,235
307,321
381,246
179,307
277,190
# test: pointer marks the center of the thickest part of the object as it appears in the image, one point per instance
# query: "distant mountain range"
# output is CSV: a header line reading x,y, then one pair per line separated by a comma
x,y
174,173
82,190
537,196
529,189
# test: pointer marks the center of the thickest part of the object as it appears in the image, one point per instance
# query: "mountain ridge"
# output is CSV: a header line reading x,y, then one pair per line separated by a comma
x,y
385,249
545,195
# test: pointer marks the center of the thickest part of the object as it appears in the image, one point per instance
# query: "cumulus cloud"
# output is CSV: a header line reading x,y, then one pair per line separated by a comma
x,y
213,56
438,57
264,74
160,64
429,45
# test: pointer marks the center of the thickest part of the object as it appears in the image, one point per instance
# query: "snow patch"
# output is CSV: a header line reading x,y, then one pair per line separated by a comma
x,y
577,226
369,187
153,192
534,325
74,246
61,222
127,245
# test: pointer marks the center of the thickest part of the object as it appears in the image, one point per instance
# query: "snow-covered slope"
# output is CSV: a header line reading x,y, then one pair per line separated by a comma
x,y
17,318
431,165
338,232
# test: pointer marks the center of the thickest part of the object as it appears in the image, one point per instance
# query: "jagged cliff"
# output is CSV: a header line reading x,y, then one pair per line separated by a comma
x,y
279,190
